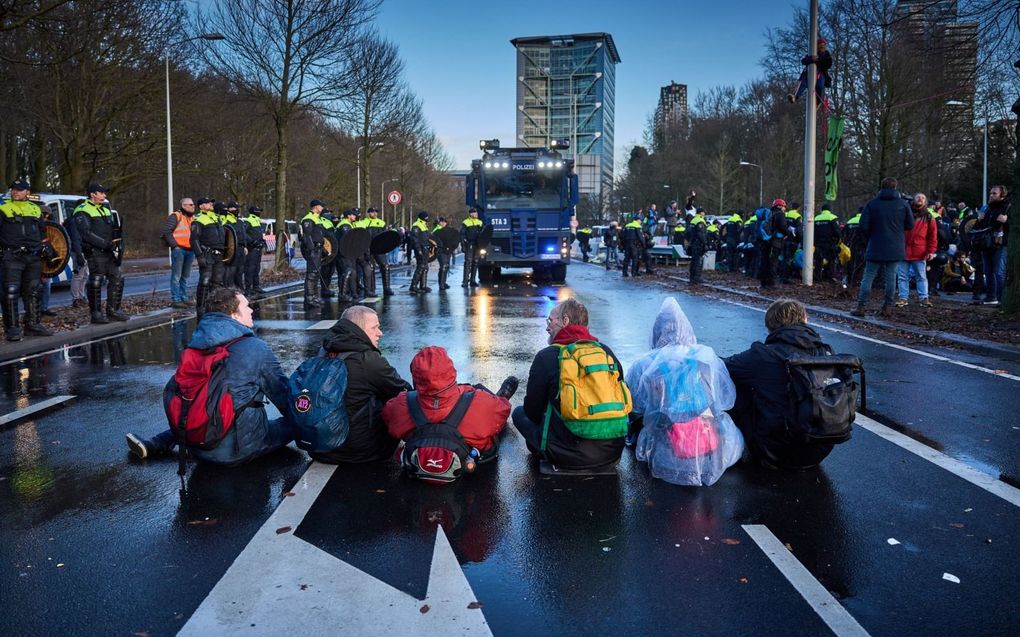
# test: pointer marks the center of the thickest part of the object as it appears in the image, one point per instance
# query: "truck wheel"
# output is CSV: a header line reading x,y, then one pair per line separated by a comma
x,y
559,272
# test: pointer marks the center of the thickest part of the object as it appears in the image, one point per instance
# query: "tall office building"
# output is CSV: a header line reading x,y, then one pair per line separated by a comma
x,y
671,115
566,89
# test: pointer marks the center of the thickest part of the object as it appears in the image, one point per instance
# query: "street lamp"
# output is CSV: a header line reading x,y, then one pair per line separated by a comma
x,y
382,195
211,37
357,159
761,181
984,167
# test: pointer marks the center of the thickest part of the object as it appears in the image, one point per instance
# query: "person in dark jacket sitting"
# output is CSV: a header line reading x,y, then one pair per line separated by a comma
x,y
371,381
762,389
884,222
567,323
252,372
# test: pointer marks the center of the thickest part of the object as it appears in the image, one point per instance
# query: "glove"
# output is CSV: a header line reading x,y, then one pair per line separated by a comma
x,y
47,252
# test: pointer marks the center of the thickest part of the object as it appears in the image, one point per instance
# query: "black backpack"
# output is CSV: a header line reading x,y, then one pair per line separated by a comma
x,y
822,392
435,451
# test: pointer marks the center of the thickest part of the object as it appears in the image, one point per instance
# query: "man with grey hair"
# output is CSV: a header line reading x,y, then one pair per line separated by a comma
x,y
177,235
371,381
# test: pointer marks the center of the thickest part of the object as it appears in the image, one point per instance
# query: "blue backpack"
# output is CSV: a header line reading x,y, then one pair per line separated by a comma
x,y
316,407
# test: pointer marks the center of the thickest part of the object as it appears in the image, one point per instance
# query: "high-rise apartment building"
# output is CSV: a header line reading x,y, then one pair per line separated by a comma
x,y
566,89
671,115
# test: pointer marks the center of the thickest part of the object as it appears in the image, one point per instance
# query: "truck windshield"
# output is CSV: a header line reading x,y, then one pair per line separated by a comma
x,y
522,190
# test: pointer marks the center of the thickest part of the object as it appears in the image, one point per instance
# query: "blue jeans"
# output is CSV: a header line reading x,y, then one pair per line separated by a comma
x,y
180,270
870,271
278,434
994,261
912,269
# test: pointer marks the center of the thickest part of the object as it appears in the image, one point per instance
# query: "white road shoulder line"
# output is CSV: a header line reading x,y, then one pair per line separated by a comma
x,y
904,348
34,409
825,605
980,479
322,325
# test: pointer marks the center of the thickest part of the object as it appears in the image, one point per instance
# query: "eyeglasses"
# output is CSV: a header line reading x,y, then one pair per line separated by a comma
x,y
549,321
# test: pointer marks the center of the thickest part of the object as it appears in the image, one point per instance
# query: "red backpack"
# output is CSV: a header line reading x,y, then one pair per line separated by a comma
x,y
199,405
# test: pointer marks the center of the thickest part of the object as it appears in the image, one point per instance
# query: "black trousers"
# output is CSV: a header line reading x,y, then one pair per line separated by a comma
x,y
21,273
697,263
769,261
252,268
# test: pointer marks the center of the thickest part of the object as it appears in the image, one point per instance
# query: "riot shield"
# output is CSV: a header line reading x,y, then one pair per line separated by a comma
x,y
484,237
330,248
448,238
386,241
230,249
355,243
57,238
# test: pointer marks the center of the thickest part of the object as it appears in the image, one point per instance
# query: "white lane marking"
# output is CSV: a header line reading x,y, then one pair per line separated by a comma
x,y
938,357
980,479
825,605
34,409
282,585
322,325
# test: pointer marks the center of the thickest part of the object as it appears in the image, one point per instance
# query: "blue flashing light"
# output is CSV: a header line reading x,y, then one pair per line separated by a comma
x,y
550,248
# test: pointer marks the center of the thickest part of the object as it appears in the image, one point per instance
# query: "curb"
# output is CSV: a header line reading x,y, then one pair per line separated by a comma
x,y
21,350
987,348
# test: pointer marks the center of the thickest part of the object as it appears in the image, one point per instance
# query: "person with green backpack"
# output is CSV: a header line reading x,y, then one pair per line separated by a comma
x,y
575,411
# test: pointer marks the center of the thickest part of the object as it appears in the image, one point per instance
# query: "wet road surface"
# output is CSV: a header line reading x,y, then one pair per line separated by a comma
x,y
95,543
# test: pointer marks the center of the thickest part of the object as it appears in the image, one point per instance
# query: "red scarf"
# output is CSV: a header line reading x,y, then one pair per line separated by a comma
x,y
572,334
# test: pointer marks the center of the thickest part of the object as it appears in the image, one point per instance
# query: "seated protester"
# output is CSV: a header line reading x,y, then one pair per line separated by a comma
x,y
371,381
540,421
762,382
437,393
251,372
681,393
956,274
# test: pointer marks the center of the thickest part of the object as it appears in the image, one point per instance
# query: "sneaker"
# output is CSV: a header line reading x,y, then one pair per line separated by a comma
x,y
509,387
927,303
885,311
137,447
858,312
190,303
901,303
48,313
77,303
179,305
791,98
992,302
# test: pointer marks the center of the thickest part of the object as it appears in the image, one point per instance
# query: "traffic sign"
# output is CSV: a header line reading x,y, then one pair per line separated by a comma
x,y
394,197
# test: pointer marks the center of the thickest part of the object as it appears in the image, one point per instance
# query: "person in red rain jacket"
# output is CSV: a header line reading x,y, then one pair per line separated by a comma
x,y
435,380
921,244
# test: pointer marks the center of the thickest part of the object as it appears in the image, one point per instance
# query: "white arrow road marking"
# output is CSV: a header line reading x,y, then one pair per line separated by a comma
x,y
280,584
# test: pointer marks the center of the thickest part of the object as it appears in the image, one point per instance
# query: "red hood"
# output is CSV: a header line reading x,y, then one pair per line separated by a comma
x,y
433,372
572,334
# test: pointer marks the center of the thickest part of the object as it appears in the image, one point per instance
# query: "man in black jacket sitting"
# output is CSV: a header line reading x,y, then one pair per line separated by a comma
x,y
371,381
762,389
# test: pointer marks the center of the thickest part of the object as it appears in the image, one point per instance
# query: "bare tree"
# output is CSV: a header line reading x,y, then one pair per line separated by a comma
x,y
289,55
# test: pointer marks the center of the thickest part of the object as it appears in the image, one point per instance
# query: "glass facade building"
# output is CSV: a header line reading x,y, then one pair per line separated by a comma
x,y
566,89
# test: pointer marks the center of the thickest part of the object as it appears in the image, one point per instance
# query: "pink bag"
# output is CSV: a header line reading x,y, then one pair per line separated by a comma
x,y
696,437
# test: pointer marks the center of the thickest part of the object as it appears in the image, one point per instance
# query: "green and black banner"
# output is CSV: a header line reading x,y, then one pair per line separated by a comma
x,y
833,143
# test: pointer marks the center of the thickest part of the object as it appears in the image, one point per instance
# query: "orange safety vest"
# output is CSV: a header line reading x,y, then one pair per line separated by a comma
x,y
182,233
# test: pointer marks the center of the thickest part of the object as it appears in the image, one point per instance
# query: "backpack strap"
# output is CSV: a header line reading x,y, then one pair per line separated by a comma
x,y
452,419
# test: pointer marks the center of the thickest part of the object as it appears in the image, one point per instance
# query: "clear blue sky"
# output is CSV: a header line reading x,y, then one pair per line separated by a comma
x,y
459,59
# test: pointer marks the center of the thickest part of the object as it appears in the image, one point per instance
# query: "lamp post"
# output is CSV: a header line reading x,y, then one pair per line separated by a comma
x,y
761,181
211,37
382,195
357,160
984,167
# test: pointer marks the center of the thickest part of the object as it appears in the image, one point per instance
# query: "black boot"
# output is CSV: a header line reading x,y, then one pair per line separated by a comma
x,y
114,296
311,298
370,288
384,271
94,293
473,282
444,270
12,328
468,264
32,316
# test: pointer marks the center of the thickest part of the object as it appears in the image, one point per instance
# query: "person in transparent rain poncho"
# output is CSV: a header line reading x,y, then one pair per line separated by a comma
x,y
681,392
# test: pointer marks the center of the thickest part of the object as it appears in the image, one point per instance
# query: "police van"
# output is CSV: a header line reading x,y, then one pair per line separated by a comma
x,y
60,208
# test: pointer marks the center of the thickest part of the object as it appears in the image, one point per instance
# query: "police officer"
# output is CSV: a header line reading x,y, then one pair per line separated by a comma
x,y
228,217
345,264
311,250
364,263
772,230
731,240
241,230
470,230
611,240
208,242
827,238
96,227
633,245
858,244
329,221
444,254
697,242
794,223
22,249
421,240
584,242
377,226
256,243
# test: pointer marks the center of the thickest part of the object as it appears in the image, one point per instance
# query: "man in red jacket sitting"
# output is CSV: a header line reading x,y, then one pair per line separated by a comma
x,y
921,242
438,392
